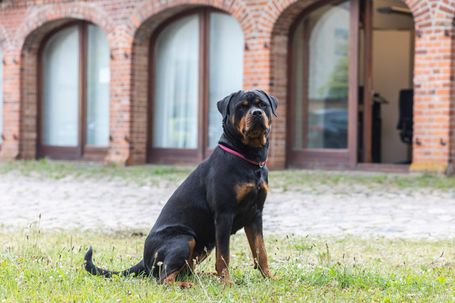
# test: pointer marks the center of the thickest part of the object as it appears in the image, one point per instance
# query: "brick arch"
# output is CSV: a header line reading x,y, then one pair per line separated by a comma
x,y
157,12
448,9
421,12
144,21
4,38
285,15
28,39
42,19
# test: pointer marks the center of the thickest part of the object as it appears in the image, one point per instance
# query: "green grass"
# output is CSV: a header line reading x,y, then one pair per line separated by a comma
x,y
47,267
60,169
287,180
298,179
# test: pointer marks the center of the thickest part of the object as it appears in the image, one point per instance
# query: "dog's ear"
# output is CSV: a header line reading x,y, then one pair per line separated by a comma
x,y
273,101
274,104
223,105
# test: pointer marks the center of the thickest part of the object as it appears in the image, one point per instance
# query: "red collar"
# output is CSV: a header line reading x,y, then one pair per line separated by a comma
x,y
237,154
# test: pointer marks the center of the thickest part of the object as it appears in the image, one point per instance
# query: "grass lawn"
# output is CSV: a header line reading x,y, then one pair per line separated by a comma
x,y
47,267
287,180
37,266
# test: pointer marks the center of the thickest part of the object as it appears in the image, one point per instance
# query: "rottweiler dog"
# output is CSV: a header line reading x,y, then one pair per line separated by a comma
x,y
225,193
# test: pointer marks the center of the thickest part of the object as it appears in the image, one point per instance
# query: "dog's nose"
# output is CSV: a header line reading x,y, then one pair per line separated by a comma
x,y
256,112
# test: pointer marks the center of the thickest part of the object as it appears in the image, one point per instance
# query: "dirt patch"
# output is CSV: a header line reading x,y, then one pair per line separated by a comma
x,y
106,205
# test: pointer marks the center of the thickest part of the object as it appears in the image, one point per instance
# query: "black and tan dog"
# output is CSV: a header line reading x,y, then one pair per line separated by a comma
x,y
223,194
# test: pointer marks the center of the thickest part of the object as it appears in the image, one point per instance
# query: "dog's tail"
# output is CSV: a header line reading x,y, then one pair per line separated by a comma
x,y
137,269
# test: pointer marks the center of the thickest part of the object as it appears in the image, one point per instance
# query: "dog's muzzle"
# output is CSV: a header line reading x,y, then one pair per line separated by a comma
x,y
256,124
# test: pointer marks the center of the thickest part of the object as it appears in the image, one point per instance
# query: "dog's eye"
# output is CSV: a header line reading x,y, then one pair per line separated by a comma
x,y
262,105
245,105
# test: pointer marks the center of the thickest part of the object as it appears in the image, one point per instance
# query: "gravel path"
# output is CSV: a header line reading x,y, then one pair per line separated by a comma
x,y
104,205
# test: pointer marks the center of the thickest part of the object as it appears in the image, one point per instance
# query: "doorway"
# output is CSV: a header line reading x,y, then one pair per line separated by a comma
x,y
386,83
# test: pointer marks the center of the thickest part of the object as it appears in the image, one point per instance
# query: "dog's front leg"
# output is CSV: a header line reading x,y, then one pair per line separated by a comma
x,y
223,226
253,232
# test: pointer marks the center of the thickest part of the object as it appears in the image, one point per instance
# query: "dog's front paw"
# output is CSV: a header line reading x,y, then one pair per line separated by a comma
x,y
227,282
184,285
209,274
268,275
226,278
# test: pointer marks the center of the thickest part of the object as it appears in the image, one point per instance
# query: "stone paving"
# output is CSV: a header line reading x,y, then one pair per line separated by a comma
x,y
103,205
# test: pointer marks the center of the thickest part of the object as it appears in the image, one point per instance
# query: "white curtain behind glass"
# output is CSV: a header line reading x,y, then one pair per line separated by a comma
x,y
176,85
98,78
61,88
1,96
225,68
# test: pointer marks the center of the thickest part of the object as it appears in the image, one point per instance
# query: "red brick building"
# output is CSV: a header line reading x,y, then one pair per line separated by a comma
x,y
136,81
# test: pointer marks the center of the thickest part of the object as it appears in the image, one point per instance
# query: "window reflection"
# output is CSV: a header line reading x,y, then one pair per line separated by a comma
x,y
320,54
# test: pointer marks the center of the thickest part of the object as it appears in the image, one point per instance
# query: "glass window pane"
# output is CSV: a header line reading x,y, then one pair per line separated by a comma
x,y
61,88
320,64
98,78
225,67
176,85
1,96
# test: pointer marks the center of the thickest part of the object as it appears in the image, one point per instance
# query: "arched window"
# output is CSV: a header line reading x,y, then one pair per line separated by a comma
x,y
75,93
349,88
321,57
320,69
197,59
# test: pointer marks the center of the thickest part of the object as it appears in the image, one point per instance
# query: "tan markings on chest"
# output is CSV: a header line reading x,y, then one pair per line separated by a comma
x,y
264,186
243,189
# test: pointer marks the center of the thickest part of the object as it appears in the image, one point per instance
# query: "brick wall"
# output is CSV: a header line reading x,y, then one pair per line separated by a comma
x,y
433,84
266,25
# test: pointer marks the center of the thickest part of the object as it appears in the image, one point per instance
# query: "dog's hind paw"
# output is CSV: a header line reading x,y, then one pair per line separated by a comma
x,y
184,285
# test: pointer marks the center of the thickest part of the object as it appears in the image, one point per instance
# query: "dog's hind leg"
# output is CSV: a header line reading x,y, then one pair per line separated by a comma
x,y
170,280
179,256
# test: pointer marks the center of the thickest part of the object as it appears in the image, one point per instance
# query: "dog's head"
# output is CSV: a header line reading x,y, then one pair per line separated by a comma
x,y
249,115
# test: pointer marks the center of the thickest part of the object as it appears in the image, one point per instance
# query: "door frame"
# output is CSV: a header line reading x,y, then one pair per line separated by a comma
x,y
366,163
367,73
82,151
311,157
